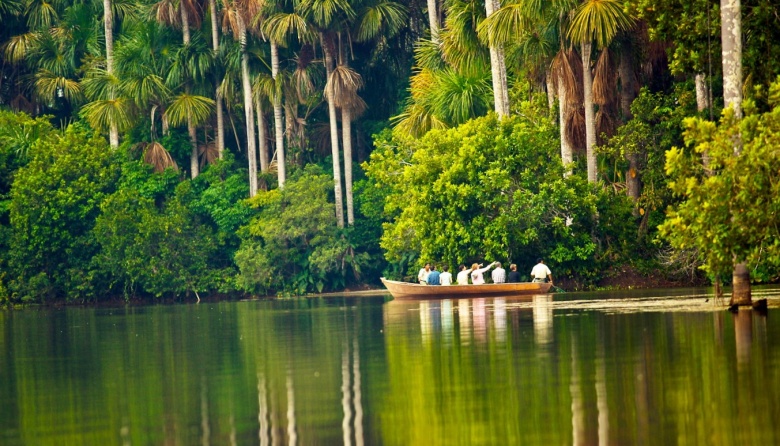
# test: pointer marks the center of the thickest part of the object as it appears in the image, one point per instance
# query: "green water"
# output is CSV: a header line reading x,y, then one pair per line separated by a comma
x,y
638,368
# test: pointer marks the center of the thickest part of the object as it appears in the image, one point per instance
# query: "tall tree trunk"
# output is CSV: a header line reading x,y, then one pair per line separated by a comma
x,y
433,20
185,31
262,137
251,151
731,35
346,131
567,156
549,84
590,118
702,95
217,93
108,26
633,180
334,135
498,69
278,120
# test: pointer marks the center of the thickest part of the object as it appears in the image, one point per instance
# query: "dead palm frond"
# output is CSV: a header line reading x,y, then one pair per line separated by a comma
x,y
159,158
167,12
567,68
575,127
209,154
604,80
606,123
344,82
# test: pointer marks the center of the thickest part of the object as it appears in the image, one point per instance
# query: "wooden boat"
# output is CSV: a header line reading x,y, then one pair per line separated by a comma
x,y
405,290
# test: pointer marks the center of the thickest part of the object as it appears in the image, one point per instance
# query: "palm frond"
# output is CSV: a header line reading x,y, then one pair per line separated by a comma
x,y
167,12
416,120
428,55
344,82
18,47
280,26
184,106
144,89
385,18
458,98
41,14
209,154
600,21
604,79
49,86
101,114
575,127
159,158
99,84
323,12
505,24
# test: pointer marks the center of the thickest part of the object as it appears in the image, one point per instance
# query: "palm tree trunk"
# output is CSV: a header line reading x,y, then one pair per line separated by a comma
x,y
548,80
251,151
567,156
334,135
108,26
498,69
346,132
590,118
185,31
731,35
218,94
433,20
278,121
262,137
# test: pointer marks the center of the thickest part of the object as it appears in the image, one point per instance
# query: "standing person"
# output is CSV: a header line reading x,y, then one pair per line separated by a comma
x,y
476,273
513,276
446,278
433,277
540,272
499,274
463,275
422,276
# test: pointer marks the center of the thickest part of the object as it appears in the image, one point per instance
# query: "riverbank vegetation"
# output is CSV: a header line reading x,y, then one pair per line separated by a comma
x,y
181,149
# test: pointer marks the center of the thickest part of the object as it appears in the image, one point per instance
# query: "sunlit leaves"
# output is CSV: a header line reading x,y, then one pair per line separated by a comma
x,y
729,205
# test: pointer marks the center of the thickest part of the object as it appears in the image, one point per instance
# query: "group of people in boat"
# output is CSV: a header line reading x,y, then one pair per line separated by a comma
x,y
430,275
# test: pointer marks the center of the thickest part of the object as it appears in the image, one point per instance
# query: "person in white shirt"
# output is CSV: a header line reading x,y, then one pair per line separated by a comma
x,y
476,273
540,272
445,278
463,275
499,274
422,276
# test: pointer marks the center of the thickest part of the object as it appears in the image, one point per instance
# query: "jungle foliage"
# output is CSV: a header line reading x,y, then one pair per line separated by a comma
x,y
241,133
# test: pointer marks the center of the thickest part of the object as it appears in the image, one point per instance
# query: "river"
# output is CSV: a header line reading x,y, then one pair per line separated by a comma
x,y
630,367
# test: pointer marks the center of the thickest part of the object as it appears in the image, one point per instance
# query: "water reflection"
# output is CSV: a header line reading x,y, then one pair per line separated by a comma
x,y
543,319
362,371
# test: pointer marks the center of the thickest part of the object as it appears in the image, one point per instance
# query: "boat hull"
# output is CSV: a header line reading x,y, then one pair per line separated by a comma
x,y
405,290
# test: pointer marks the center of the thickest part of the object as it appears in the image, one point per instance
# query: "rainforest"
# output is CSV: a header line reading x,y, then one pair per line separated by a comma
x,y
187,148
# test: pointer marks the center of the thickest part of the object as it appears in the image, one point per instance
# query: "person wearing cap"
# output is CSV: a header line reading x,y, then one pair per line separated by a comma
x,y
540,272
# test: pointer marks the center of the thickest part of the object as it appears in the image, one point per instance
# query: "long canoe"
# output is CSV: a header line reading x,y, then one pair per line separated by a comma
x,y
405,290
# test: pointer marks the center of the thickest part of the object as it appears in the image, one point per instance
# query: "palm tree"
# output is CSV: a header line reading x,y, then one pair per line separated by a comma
x,y
218,92
599,21
731,38
537,31
166,12
235,19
